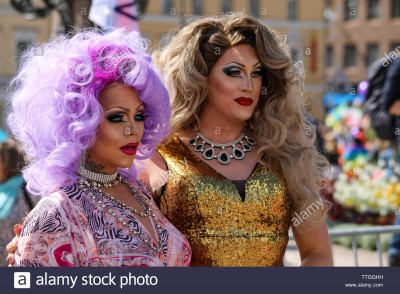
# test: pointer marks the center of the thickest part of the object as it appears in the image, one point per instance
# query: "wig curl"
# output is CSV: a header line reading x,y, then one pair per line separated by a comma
x,y
54,108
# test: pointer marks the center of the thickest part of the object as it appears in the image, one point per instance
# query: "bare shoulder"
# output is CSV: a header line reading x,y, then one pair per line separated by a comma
x,y
154,172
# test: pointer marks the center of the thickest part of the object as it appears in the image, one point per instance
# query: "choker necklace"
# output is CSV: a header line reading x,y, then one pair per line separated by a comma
x,y
102,178
223,156
97,196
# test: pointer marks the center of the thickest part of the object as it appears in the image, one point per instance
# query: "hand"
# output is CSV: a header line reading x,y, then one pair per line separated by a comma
x,y
13,245
395,108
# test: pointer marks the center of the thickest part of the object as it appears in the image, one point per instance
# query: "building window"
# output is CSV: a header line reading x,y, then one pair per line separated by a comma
x,y
350,9
197,7
350,58
328,10
167,6
226,6
22,46
329,56
22,40
372,53
395,8
255,8
373,9
292,9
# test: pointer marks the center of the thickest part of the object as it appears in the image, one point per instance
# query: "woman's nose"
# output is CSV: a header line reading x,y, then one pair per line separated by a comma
x,y
132,129
247,84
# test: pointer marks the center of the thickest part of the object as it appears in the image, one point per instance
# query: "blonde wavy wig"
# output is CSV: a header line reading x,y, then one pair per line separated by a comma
x,y
279,122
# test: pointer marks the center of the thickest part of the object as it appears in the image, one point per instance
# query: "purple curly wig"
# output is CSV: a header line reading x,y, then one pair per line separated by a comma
x,y
54,111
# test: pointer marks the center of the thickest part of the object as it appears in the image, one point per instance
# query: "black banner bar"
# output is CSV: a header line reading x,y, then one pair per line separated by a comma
x,y
200,280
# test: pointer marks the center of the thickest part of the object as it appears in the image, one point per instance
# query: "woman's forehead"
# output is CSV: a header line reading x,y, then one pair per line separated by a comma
x,y
119,95
243,54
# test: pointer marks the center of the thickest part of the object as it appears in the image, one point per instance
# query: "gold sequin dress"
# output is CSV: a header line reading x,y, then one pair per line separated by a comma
x,y
222,229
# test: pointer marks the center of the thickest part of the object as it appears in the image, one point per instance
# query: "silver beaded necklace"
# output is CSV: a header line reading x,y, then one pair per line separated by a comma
x,y
102,178
95,193
223,156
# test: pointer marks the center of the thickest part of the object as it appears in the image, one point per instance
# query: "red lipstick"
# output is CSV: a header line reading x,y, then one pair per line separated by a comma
x,y
244,101
130,149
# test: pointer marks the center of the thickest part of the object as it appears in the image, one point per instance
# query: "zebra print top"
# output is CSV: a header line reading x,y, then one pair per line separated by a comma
x,y
67,229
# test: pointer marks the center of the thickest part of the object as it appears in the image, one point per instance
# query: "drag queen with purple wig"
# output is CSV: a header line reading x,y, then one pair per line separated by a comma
x,y
83,110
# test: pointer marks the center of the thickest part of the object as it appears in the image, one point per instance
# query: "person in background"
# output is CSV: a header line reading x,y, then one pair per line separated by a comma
x,y
15,202
391,98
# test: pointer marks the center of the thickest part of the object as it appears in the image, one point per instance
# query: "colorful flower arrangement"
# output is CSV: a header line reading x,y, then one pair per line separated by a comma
x,y
366,192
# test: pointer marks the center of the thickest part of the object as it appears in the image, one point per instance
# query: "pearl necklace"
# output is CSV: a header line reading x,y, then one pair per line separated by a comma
x,y
223,156
102,178
93,188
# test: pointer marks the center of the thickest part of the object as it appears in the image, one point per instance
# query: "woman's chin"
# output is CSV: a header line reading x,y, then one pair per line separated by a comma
x,y
243,117
125,163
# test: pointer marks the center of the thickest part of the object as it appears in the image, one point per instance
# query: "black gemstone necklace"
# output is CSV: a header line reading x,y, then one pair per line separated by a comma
x,y
223,156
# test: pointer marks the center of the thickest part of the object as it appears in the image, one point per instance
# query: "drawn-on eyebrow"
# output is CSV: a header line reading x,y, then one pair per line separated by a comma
x,y
242,65
124,108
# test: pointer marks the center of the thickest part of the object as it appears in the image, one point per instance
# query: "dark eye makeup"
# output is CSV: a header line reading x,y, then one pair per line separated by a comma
x,y
140,117
234,71
116,118
257,73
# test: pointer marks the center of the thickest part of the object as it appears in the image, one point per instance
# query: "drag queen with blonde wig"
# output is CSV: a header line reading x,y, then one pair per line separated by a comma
x,y
240,166
83,110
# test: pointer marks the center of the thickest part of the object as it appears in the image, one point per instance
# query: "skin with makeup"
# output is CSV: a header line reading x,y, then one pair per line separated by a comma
x,y
234,87
118,137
